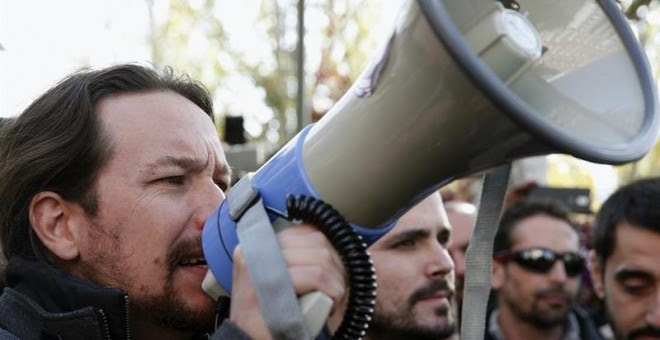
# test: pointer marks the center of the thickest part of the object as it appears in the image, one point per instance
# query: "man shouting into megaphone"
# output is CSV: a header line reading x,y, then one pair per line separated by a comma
x,y
107,180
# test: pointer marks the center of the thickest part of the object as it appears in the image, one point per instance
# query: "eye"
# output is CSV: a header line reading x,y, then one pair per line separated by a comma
x,y
173,180
443,237
635,287
221,184
408,243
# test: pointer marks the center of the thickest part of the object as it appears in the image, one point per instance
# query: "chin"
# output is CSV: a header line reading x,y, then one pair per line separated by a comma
x,y
197,297
194,296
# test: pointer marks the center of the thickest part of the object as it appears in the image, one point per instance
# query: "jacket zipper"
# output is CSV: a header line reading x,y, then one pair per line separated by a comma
x,y
127,320
104,323
104,320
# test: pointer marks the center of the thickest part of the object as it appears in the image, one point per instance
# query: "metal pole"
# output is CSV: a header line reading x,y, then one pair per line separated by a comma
x,y
300,100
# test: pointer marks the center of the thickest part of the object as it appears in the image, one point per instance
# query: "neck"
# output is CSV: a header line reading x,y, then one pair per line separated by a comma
x,y
513,328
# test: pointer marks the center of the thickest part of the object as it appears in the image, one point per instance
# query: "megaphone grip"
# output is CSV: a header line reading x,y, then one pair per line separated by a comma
x,y
361,272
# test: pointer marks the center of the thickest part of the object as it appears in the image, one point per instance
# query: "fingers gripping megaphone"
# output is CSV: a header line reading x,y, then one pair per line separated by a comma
x,y
461,86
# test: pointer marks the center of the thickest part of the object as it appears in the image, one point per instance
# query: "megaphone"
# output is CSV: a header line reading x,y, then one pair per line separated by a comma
x,y
462,86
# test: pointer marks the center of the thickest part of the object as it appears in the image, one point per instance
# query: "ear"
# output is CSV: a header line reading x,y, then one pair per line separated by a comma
x,y
57,223
498,275
596,274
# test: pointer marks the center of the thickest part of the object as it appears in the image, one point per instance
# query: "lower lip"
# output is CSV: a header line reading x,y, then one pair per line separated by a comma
x,y
196,270
436,299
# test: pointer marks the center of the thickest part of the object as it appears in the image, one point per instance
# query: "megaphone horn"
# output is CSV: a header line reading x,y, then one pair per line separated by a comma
x,y
462,86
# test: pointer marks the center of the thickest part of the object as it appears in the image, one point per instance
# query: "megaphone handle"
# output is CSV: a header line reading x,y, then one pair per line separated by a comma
x,y
269,275
316,308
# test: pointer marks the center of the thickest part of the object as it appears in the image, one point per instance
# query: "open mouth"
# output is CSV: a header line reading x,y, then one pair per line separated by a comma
x,y
193,261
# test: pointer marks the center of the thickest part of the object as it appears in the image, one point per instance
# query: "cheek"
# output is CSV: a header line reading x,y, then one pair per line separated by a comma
x,y
395,280
627,312
573,285
521,285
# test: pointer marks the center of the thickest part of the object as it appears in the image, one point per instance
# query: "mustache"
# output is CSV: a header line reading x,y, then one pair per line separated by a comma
x,y
556,290
185,248
430,289
644,331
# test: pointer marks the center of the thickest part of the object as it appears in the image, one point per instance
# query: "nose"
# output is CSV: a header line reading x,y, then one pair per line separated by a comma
x,y
459,263
558,272
207,198
653,313
439,261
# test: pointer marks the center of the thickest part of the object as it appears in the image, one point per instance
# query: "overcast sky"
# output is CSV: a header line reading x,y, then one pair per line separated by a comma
x,y
45,40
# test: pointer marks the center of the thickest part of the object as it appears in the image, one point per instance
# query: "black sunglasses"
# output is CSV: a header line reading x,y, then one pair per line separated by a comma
x,y
541,260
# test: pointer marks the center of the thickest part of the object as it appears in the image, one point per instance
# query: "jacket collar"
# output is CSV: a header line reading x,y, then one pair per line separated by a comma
x,y
58,292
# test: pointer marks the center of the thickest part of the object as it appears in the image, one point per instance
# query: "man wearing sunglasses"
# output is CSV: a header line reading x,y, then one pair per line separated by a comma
x,y
625,259
537,267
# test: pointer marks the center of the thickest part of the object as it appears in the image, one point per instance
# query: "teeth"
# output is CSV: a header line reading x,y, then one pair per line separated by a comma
x,y
193,261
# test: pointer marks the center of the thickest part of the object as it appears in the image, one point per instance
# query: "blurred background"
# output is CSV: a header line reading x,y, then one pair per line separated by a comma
x,y
267,83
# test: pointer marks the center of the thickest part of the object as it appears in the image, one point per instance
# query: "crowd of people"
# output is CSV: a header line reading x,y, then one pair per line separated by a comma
x,y
548,283
108,179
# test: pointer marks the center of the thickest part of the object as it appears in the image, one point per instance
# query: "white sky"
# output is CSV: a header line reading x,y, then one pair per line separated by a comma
x,y
46,40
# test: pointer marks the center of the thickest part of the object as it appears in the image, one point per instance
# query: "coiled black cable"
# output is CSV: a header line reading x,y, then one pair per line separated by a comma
x,y
361,272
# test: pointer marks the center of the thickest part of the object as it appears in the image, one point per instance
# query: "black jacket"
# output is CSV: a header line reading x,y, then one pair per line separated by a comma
x,y
587,328
41,302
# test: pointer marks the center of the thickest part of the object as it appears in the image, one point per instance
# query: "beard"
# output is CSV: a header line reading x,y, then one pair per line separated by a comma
x,y
538,315
164,308
402,324
169,310
620,334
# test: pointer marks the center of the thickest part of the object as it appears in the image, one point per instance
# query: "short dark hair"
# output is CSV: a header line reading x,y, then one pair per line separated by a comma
x,y
58,144
637,203
523,209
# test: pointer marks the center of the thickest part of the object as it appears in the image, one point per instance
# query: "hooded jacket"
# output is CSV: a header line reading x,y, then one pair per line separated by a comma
x,y
41,302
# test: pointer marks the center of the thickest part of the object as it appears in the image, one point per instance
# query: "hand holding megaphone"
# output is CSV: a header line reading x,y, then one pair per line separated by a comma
x,y
306,251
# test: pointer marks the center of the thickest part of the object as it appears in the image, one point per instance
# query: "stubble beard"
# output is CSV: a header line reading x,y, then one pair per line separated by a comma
x,y
170,310
403,325
165,309
539,316
620,334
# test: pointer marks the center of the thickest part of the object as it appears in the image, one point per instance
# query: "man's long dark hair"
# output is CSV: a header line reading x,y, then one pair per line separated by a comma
x,y
57,144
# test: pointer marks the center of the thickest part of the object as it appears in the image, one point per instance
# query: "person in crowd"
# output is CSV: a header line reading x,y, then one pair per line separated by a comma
x,y
414,275
624,259
107,180
462,217
536,272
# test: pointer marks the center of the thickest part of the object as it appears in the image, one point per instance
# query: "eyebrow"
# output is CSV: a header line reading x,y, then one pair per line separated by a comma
x,y
181,162
412,234
625,274
189,163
